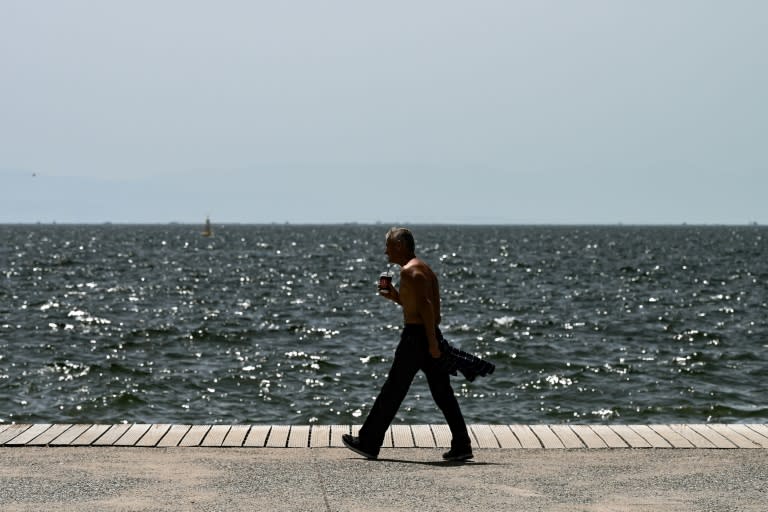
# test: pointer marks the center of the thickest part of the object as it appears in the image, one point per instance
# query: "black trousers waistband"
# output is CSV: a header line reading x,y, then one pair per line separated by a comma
x,y
416,329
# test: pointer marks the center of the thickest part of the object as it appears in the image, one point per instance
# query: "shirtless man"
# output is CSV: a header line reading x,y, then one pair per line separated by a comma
x,y
419,347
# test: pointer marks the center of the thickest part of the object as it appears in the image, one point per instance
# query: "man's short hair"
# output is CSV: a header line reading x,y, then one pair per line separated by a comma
x,y
403,235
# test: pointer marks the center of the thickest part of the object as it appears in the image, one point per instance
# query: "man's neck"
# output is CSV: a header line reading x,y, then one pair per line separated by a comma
x,y
405,260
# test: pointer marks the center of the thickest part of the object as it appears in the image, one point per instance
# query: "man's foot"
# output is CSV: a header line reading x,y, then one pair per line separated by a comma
x,y
354,444
458,454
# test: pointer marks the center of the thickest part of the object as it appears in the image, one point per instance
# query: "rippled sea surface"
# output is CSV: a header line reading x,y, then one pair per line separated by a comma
x,y
282,324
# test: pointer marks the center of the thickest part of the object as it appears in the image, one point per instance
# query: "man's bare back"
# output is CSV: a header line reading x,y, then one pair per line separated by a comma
x,y
418,283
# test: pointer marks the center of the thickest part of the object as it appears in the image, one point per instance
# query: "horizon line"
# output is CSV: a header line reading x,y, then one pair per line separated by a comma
x,y
383,223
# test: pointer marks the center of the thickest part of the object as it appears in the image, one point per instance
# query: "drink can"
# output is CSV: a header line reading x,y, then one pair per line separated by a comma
x,y
385,281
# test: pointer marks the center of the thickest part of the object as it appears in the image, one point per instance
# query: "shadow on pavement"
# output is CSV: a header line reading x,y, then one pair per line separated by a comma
x,y
433,463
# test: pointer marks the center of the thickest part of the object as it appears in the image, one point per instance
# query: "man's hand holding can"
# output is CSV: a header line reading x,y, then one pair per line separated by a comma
x,y
385,283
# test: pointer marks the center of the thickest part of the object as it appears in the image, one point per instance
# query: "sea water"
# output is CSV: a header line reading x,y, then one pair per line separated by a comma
x,y
283,323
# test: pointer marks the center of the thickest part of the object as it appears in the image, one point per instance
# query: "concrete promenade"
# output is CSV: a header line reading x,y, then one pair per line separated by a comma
x,y
521,467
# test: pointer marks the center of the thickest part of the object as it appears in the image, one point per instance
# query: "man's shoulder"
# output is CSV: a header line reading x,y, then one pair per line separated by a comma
x,y
417,269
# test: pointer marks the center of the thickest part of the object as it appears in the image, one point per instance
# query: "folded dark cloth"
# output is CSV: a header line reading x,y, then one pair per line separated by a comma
x,y
453,360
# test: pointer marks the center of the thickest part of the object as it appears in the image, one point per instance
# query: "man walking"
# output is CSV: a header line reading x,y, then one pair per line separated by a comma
x,y
419,349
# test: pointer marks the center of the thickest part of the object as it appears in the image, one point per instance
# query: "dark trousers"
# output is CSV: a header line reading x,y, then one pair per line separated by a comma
x,y
412,355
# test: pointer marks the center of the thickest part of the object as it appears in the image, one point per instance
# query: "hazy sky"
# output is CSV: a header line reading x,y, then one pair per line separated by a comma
x,y
353,111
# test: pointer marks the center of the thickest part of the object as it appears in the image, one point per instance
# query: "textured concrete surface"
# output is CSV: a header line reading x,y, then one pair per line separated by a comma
x,y
335,479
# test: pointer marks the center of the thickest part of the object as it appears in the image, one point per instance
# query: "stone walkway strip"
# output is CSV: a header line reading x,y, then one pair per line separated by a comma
x,y
561,436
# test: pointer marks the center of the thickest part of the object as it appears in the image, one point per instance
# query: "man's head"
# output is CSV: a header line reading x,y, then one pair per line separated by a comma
x,y
401,246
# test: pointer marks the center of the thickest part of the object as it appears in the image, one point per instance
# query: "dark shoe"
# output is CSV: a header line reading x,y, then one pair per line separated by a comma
x,y
458,454
354,444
